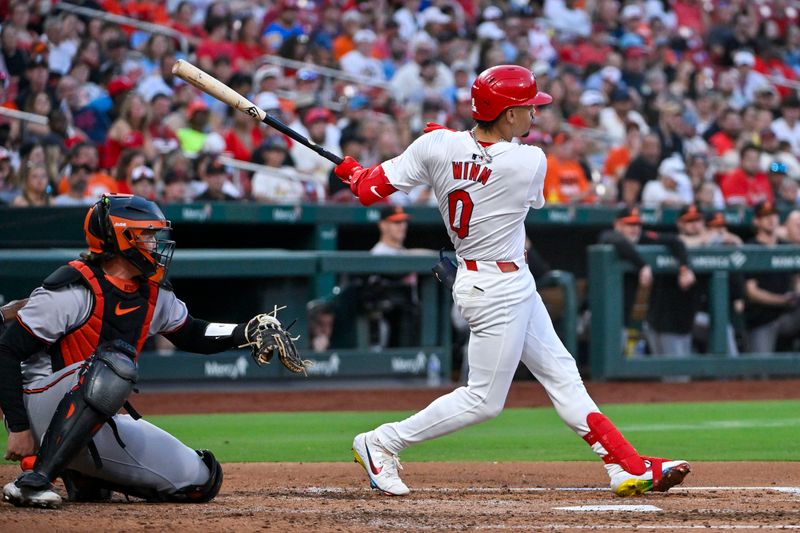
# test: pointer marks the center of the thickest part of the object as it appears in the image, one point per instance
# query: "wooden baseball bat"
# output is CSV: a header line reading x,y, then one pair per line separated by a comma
x,y
211,85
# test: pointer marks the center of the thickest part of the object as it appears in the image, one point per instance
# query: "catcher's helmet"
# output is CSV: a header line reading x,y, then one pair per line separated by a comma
x,y
134,228
498,88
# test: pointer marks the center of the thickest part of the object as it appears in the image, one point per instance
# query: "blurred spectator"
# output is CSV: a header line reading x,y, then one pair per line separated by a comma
x,y
787,128
771,151
729,126
749,81
35,187
321,319
355,146
747,185
666,191
321,129
214,178
38,104
248,46
567,18
283,27
77,182
407,82
14,57
216,43
613,119
670,128
162,137
307,88
128,160
175,189
717,234
8,180
243,136
193,137
360,60
790,230
392,301
566,181
620,156
625,236
671,313
276,187
643,169
770,294
588,114
776,174
706,192
351,22
35,81
129,131
143,182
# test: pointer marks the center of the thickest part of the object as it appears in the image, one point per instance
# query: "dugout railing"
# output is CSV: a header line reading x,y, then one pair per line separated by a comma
x,y
606,355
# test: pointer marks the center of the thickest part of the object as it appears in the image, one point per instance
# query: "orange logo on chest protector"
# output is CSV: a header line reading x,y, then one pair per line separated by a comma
x,y
119,311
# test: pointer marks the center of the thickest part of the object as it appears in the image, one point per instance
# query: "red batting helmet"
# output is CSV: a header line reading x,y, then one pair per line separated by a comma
x,y
504,86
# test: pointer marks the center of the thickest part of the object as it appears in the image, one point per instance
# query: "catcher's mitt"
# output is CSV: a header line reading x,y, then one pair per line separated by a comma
x,y
265,336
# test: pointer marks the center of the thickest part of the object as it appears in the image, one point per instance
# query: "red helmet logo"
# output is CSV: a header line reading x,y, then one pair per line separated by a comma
x,y
498,88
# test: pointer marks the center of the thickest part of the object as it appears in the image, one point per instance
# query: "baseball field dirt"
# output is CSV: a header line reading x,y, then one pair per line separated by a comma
x,y
524,496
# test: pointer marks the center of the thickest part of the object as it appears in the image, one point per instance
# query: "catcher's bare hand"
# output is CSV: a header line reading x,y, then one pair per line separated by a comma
x,y
265,336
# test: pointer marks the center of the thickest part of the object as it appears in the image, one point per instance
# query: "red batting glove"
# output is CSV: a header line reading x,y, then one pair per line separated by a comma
x,y
345,170
433,126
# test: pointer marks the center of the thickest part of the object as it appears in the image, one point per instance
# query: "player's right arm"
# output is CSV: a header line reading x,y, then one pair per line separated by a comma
x,y
403,172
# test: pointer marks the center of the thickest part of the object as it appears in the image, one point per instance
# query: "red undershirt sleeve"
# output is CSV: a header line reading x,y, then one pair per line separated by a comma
x,y
371,185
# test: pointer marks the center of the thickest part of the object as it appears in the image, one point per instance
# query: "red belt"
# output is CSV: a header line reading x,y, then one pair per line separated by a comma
x,y
503,266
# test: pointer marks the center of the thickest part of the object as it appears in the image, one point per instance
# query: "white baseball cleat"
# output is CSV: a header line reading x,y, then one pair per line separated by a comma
x,y
380,464
661,475
27,497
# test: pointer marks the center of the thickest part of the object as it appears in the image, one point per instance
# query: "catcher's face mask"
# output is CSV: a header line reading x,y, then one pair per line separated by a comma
x,y
134,228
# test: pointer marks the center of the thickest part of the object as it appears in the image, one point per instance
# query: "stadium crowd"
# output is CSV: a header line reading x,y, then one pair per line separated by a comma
x,y
656,102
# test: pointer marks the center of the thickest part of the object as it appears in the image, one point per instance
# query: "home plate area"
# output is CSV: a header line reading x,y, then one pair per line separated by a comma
x,y
447,497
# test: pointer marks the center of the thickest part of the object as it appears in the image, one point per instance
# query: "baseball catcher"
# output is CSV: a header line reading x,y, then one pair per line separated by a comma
x,y
68,363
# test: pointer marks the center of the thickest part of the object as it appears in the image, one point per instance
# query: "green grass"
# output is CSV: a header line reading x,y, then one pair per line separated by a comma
x,y
720,431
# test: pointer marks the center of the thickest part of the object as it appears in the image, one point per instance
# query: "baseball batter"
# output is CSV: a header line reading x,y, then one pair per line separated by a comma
x,y
68,365
485,184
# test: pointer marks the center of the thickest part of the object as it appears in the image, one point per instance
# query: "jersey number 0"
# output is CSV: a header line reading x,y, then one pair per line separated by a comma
x,y
460,203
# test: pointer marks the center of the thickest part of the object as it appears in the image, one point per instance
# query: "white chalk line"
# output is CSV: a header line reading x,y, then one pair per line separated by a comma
x,y
668,527
502,490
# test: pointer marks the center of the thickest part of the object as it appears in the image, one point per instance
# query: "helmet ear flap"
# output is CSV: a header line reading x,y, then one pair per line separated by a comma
x,y
99,225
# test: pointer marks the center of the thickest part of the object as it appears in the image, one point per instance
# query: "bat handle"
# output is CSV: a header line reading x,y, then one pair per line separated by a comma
x,y
333,158
286,130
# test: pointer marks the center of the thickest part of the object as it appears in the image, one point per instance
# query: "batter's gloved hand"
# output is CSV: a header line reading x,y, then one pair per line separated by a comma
x,y
265,336
345,170
433,126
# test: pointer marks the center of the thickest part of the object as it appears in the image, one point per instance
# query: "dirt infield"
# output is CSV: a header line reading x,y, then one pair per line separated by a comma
x,y
452,497
449,496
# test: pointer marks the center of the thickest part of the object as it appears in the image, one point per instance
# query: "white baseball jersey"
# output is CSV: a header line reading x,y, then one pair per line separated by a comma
x,y
483,203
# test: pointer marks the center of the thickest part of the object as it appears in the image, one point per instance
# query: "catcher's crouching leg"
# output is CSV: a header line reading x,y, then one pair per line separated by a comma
x,y
205,492
85,488
104,386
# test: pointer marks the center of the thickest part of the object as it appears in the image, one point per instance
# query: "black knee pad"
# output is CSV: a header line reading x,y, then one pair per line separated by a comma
x,y
104,386
205,492
110,378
